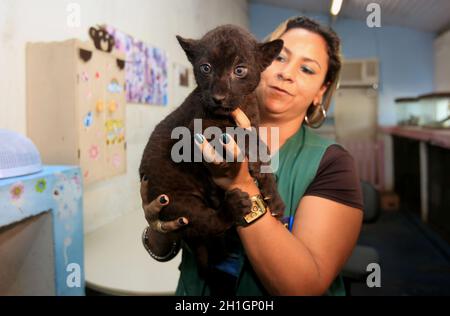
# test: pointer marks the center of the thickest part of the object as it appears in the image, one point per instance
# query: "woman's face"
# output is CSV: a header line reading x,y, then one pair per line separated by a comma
x,y
295,79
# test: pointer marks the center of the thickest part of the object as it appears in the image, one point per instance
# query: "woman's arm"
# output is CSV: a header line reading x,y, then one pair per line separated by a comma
x,y
163,235
307,261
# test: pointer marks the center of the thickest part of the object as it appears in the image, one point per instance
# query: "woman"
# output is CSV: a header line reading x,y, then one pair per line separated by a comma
x,y
316,179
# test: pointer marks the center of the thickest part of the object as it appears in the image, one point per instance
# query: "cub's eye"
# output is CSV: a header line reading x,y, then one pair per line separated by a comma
x,y
240,71
205,68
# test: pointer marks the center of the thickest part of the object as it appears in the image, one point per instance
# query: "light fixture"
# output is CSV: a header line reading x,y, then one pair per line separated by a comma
x,y
335,7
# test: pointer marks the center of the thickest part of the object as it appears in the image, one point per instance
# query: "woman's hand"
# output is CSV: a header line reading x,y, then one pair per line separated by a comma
x,y
228,176
152,209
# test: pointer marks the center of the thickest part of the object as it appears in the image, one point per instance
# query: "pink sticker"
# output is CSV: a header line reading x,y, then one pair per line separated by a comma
x,y
86,174
85,76
16,191
76,179
94,152
97,75
116,160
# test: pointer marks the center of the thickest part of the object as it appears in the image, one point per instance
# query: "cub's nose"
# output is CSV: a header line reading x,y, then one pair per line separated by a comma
x,y
218,99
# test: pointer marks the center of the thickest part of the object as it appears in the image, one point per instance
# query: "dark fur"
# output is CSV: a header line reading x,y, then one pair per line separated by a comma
x,y
190,189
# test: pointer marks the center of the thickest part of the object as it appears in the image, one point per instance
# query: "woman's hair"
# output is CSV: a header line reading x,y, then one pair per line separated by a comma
x,y
314,113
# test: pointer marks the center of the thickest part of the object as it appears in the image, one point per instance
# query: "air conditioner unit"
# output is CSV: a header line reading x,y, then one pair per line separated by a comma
x,y
359,73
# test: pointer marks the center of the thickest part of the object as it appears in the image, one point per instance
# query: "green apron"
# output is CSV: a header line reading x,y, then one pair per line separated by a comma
x,y
299,159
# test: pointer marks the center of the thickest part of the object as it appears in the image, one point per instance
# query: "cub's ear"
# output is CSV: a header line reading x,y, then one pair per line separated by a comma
x,y
269,51
188,46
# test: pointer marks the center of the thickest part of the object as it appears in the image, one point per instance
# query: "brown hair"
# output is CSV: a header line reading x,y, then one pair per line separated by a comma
x,y
314,113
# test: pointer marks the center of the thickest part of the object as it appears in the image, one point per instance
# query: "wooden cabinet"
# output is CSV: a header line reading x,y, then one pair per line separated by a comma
x,y
76,107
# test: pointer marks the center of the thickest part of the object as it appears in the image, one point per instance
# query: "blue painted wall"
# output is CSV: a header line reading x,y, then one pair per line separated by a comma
x,y
405,55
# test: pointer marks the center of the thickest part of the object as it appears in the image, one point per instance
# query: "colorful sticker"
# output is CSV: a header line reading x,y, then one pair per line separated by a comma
x,y
84,76
66,193
76,179
41,185
86,174
17,191
94,152
115,131
114,86
88,120
116,161
99,106
113,106
97,75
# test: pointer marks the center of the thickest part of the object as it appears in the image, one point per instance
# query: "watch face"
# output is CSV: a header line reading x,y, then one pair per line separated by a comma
x,y
252,216
258,209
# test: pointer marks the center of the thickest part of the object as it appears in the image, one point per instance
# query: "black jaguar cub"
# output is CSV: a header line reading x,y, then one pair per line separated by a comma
x,y
227,62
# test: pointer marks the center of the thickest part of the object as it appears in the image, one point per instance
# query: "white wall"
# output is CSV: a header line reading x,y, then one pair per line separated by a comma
x,y
153,21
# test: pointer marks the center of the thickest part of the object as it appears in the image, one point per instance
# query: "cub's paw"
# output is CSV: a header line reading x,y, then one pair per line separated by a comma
x,y
237,203
276,206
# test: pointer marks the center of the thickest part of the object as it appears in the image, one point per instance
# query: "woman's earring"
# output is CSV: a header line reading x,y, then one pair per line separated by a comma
x,y
307,120
324,115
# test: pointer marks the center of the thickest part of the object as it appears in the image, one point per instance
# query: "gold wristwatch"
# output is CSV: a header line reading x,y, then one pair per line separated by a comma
x,y
258,209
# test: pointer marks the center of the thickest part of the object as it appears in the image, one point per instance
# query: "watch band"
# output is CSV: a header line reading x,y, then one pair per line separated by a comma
x,y
258,209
